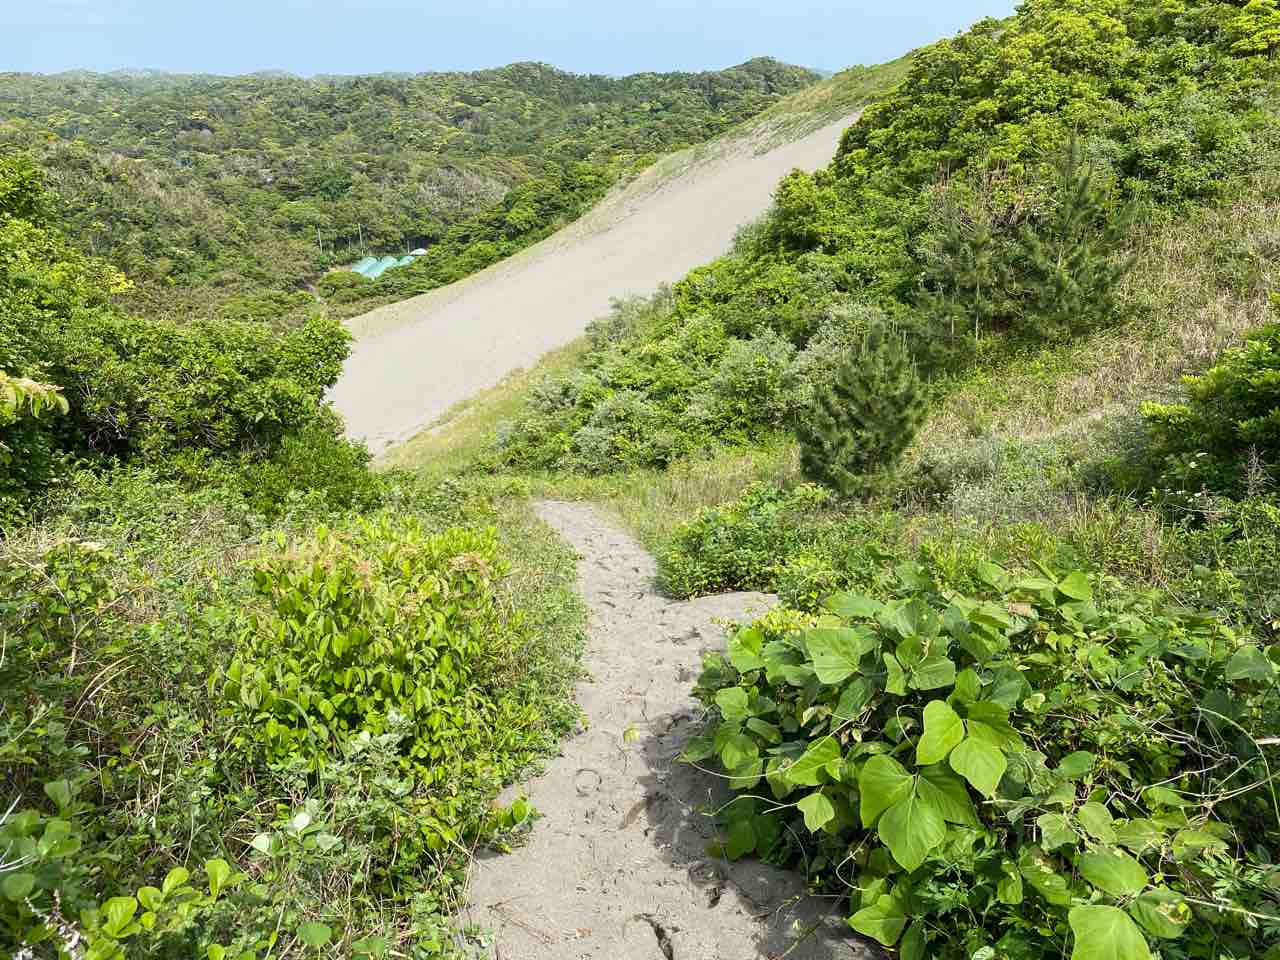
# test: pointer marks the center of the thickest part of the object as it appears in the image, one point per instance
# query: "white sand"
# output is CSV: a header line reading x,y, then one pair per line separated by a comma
x,y
416,359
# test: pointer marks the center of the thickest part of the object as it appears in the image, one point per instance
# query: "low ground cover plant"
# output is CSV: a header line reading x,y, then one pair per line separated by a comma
x,y
1050,764
228,736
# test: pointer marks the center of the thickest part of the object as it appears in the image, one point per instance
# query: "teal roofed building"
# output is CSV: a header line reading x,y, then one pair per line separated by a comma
x,y
374,267
381,267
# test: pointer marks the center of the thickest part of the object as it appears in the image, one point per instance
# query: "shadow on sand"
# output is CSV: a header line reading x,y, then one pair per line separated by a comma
x,y
678,819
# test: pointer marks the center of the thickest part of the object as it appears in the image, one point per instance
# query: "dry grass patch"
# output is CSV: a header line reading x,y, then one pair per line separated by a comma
x,y
1198,284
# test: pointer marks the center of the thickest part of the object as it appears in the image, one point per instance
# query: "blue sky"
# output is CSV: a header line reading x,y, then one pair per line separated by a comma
x,y
597,36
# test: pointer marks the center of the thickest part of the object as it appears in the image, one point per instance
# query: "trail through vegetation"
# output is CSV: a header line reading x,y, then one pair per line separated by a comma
x,y
623,863
1019,696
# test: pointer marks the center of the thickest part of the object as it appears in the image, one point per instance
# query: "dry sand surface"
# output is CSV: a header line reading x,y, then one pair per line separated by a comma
x,y
416,359
618,867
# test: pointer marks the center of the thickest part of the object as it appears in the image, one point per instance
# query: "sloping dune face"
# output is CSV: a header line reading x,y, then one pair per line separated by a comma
x,y
416,359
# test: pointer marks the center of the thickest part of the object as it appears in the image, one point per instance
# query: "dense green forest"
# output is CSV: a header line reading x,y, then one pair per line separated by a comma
x,y
992,403
232,195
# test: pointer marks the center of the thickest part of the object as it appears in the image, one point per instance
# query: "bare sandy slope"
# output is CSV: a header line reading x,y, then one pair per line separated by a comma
x,y
619,868
415,359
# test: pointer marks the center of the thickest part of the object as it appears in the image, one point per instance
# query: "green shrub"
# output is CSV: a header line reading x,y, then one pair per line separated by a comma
x,y
1230,552
751,389
317,462
625,429
27,457
336,282
132,591
1225,437
45,903
1048,765
377,626
149,389
1049,272
137,389
840,331
860,424
736,547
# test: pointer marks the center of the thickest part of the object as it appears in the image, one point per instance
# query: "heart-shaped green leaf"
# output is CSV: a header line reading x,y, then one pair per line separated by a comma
x,y
980,763
1075,586
1249,663
1055,830
853,606
733,704
807,771
1162,913
1075,765
1097,821
932,673
1040,871
837,651
943,731
912,828
946,791
1139,835
1106,933
738,750
854,698
883,919
818,811
745,650
315,935
1113,871
882,782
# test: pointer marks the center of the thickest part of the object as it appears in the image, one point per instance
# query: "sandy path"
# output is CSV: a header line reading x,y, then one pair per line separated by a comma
x,y
416,359
618,867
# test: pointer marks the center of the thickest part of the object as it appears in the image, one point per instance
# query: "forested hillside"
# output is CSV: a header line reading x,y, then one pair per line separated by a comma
x,y
232,195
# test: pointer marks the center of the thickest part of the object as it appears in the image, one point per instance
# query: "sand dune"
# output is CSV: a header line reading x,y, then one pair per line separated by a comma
x,y
417,358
